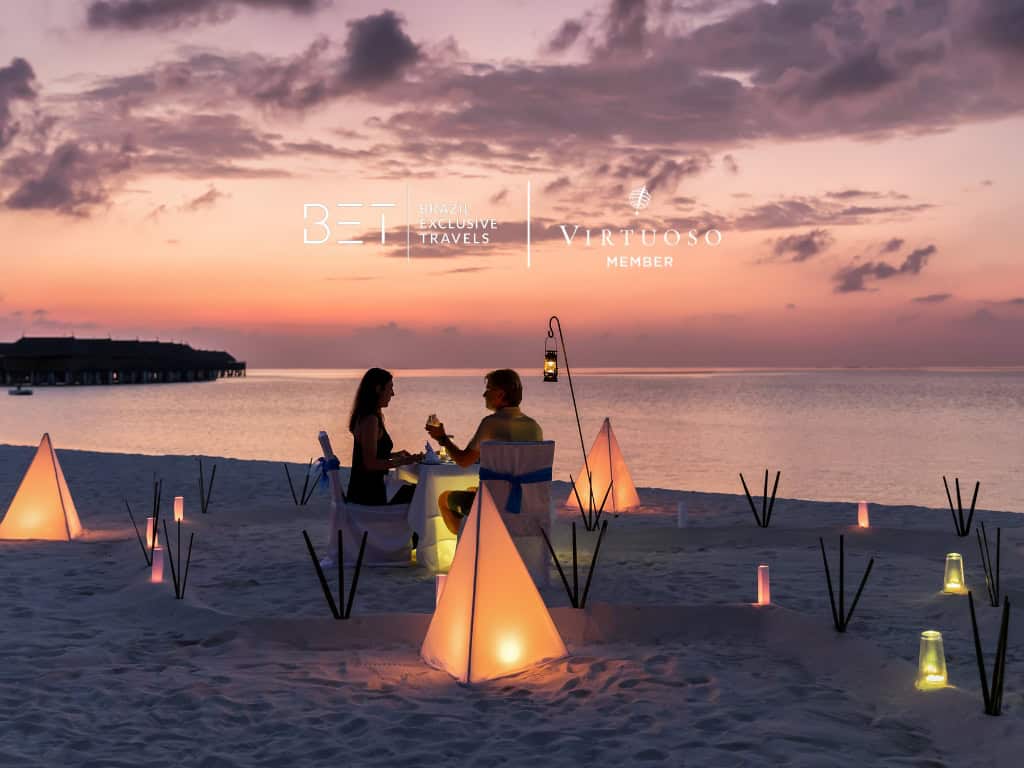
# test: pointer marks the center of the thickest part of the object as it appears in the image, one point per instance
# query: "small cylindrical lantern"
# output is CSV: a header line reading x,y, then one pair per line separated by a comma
x,y
156,573
953,581
931,664
179,509
550,365
764,592
439,582
682,514
862,515
152,537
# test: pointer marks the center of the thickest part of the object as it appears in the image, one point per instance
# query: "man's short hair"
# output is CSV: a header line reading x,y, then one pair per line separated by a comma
x,y
508,382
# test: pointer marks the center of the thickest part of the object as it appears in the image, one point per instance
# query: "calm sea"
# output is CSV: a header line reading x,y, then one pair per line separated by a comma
x,y
884,436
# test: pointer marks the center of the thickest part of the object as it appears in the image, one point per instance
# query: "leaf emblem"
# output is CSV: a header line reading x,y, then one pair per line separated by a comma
x,y
639,199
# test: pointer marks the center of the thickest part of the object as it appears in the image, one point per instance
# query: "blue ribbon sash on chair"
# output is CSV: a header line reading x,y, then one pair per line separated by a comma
x,y
325,466
514,505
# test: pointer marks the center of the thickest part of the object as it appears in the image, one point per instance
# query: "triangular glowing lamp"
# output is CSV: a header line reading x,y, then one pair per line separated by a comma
x,y
490,620
931,664
953,582
607,467
862,515
42,507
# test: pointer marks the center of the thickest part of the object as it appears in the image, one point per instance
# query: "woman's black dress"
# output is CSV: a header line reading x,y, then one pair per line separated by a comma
x,y
366,486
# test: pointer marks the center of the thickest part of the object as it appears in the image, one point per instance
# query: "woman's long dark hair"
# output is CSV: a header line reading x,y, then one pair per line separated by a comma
x,y
367,400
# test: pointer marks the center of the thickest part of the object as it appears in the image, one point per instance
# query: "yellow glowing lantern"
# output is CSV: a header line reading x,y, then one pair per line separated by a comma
x,y
490,620
862,515
953,582
931,665
156,573
550,365
179,509
152,536
764,592
42,507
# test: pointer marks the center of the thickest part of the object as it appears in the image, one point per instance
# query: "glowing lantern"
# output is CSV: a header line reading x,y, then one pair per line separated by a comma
x,y
152,536
862,515
764,592
550,365
42,508
439,581
953,582
156,573
931,665
607,466
490,620
179,509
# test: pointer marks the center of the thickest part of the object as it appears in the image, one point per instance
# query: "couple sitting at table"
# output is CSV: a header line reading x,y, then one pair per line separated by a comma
x,y
372,454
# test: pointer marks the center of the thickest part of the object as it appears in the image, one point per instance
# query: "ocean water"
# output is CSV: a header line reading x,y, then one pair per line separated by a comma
x,y
838,435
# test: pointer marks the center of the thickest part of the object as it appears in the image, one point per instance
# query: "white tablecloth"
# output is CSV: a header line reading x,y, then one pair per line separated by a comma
x,y
436,543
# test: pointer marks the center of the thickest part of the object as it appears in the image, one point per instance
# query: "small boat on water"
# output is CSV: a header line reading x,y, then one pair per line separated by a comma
x,y
19,390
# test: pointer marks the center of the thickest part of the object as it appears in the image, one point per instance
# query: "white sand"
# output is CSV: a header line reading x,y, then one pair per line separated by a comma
x,y
671,664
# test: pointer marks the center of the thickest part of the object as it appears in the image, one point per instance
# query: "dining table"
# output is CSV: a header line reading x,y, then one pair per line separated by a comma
x,y
436,546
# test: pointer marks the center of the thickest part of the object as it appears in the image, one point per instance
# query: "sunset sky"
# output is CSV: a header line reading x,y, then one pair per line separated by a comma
x,y
861,160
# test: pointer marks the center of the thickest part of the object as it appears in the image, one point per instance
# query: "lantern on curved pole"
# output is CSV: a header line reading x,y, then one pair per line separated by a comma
x,y
551,375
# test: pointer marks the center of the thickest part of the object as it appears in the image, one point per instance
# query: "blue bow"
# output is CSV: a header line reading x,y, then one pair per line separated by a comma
x,y
326,466
514,505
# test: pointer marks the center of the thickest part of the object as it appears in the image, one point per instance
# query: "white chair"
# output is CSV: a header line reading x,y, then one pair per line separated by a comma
x,y
526,466
388,540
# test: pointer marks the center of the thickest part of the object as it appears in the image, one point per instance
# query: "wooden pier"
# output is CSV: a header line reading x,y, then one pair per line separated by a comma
x,y
67,361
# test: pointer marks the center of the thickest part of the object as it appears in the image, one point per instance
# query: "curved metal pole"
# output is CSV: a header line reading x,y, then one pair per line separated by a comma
x,y
572,393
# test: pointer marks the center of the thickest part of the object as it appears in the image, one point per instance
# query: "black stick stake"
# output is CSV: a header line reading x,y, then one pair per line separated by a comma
x,y
839,618
980,656
188,562
856,598
355,575
771,505
991,574
753,509
323,580
575,574
952,511
828,580
999,674
558,564
600,510
145,552
170,559
764,501
593,563
158,490
580,502
974,500
202,488
842,580
959,506
291,487
999,549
